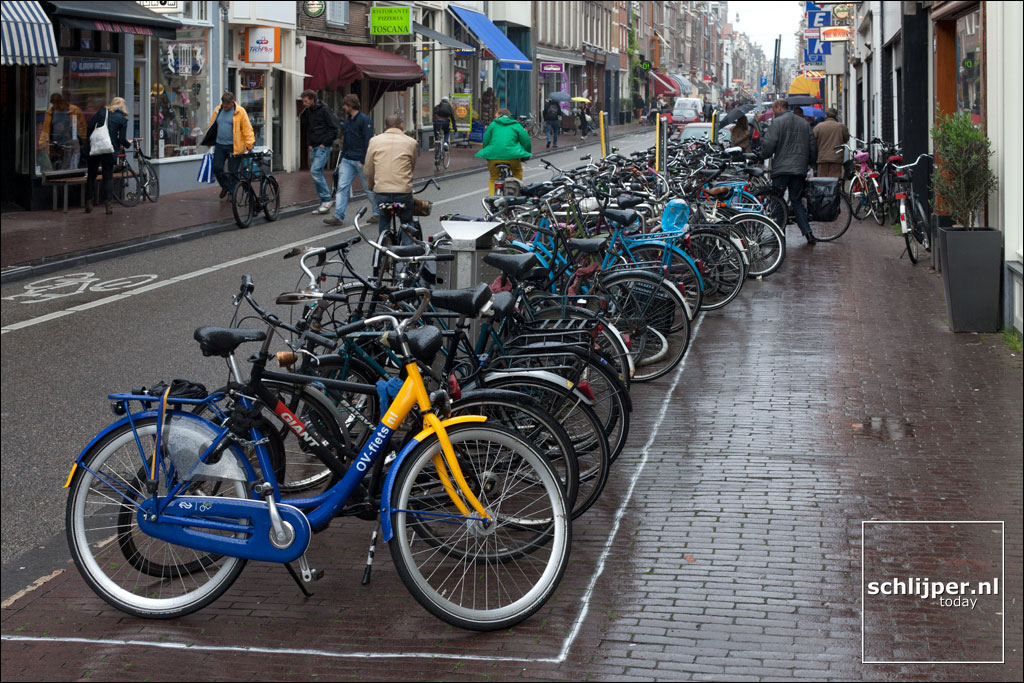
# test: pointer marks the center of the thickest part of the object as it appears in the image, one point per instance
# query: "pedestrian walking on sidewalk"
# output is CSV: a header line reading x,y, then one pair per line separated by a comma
x,y
505,142
584,113
115,116
793,149
390,160
230,132
552,121
322,130
356,129
830,133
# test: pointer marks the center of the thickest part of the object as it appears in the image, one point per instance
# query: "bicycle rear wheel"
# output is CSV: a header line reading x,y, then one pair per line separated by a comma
x,y
270,198
243,204
446,157
150,181
477,576
724,270
766,243
833,230
136,573
859,199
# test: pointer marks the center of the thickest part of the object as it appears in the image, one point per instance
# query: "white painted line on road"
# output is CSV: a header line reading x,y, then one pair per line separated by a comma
x,y
558,659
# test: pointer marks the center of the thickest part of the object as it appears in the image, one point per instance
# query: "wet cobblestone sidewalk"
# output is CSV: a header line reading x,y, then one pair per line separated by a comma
x,y
727,545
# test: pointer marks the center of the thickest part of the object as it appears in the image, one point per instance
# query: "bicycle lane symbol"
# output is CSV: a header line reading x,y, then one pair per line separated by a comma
x,y
61,286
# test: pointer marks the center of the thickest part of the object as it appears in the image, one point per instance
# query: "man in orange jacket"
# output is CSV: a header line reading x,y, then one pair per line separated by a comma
x,y
230,132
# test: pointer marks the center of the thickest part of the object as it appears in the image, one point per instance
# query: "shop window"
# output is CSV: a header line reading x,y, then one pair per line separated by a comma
x,y
179,94
337,14
66,97
968,63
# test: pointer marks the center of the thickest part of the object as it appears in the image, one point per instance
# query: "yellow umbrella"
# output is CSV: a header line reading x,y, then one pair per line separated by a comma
x,y
581,99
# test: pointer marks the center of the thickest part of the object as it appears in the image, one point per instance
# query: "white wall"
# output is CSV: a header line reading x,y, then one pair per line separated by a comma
x,y
518,13
263,13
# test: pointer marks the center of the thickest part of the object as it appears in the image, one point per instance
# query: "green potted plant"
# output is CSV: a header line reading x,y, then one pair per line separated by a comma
x,y
970,255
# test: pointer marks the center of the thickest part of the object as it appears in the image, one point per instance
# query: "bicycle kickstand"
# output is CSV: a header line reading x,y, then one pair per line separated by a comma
x,y
369,556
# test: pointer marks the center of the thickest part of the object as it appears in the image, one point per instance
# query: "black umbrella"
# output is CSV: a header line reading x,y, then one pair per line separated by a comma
x,y
560,96
802,100
746,107
732,117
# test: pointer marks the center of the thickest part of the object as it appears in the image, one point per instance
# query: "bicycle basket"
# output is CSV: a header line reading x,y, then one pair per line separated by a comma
x,y
848,169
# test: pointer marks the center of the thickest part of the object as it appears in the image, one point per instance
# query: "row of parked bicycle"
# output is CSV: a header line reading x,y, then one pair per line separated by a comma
x,y
472,426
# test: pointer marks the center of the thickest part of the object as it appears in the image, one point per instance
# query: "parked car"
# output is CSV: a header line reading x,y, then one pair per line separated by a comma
x,y
684,114
702,131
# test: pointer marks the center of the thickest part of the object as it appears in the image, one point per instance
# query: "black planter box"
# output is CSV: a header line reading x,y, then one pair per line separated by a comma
x,y
971,269
938,221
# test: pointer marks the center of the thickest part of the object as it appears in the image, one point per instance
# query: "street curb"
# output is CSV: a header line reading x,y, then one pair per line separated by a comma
x,y
51,264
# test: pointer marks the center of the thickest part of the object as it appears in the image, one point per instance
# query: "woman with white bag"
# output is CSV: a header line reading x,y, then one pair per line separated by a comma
x,y
106,136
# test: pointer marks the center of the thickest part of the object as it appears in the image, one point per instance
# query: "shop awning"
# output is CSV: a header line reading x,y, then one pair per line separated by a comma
x,y
685,88
441,38
113,17
333,66
27,35
508,55
663,85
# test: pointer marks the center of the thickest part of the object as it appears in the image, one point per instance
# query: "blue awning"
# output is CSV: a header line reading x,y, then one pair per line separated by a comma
x,y
508,55
27,35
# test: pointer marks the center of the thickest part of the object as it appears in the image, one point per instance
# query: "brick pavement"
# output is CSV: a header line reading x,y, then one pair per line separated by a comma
x,y
827,394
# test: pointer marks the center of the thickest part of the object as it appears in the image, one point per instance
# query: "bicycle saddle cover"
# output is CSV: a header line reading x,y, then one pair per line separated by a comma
x,y
501,306
619,216
628,201
407,250
719,191
513,265
592,246
222,341
536,189
462,301
424,342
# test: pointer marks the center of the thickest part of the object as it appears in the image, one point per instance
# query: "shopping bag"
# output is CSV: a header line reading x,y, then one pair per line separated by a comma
x,y
206,169
99,140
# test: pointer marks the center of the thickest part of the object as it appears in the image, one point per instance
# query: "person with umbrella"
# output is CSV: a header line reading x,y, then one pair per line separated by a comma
x,y
583,111
741,133
552,119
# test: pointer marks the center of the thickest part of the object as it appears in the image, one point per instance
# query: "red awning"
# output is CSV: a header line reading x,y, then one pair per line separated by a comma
x,y
663,85
334,66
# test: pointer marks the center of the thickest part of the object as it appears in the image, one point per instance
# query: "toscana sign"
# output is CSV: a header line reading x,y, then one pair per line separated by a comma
x,y
390,21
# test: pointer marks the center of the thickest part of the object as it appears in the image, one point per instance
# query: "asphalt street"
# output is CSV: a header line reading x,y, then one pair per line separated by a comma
x,y
74,336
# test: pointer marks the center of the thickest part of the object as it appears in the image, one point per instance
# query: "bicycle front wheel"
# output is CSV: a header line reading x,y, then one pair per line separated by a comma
x,y
150,181
766,243
833,230
270,198
724,270
478,576
128,188
243,204
136,573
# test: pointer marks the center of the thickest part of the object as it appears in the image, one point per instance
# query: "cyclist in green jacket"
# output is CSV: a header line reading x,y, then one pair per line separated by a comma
x,y
505,142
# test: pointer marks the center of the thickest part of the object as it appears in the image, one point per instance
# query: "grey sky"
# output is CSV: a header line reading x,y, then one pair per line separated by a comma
x,y
764,21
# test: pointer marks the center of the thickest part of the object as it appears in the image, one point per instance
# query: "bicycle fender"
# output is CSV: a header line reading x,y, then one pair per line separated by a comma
x,y
155,413
389,482
629,357
546,375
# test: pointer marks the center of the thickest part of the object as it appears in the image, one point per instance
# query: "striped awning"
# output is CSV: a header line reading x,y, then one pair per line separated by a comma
x,y
27,35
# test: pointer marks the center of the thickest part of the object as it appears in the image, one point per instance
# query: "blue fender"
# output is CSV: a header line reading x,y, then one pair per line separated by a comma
x,y
389,482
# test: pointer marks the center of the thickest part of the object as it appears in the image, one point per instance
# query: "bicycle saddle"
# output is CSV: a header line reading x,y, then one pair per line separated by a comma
x,y
222,341
424,342
407,250
628,201
895,159
719,191
536,189
462,301
618,216
512,265
592,246
501,306
752,171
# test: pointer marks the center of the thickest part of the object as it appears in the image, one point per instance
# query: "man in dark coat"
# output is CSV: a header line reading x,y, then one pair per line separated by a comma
x,y
793,148
321,132
357,129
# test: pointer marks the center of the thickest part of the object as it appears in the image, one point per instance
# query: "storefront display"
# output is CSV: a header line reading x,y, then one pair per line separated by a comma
x,y
968,59
179,94
252,95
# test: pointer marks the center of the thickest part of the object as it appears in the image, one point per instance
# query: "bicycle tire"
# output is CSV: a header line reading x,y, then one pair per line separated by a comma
x,y
652,312
826,231
485,553
578,419
270,198
774,203
724,270
243,204
94,508
127,189
877,203
151,182
523,416
765,241
859,199
921,224
680,271
446,158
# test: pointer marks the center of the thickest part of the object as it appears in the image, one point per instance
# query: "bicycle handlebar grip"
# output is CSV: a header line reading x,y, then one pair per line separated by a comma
x,y
322,341
402,295
247,285
334,296
445,257
362,212
344,245
351,327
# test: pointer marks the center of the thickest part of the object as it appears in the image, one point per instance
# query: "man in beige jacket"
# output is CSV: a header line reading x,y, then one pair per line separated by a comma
x,y
830,134
390,160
